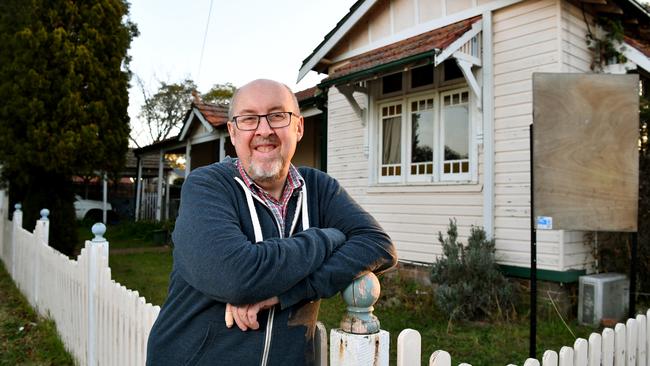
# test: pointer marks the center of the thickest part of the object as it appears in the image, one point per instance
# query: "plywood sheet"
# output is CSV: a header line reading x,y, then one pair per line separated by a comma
x,y
585,161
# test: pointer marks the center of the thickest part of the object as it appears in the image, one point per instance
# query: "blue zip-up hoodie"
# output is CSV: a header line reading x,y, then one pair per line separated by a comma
x,y
228,249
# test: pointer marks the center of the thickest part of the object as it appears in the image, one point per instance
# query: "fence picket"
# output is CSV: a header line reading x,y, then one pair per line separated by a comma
x,y
641,339
631,341
595,349
647,327
619,345
580,349
440,358
566,356
550,358
409,348
608,349
531,362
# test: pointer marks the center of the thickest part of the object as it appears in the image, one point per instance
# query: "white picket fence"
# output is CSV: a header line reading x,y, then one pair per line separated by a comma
x,y
625,345
99,321
103,323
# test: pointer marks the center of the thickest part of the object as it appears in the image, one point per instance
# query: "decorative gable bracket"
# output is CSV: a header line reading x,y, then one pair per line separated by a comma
x,y
348,91
466,50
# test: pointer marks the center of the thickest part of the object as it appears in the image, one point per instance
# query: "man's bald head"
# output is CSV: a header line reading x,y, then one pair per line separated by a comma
x,y
261,83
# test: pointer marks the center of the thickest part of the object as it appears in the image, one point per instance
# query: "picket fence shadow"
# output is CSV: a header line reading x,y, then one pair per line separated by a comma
x,y
102,322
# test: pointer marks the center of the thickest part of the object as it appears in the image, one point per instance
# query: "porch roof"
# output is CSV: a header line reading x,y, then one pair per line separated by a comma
x,y
392,56
215,114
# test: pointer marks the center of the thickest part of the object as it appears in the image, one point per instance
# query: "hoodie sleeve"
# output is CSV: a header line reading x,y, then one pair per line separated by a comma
x,y
367,248
214,256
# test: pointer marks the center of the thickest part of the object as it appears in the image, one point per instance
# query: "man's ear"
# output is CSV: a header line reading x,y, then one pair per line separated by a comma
x,y
231,130
301,127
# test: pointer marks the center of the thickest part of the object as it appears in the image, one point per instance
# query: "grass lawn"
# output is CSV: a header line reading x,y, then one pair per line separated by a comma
x,y
123,235
403,304
25,338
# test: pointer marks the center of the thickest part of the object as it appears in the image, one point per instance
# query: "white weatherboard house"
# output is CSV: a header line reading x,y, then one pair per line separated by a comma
x,y
429,104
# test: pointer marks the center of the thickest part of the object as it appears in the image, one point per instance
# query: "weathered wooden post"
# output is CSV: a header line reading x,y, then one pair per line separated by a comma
x,y
18,223
360,341
42,233
95,246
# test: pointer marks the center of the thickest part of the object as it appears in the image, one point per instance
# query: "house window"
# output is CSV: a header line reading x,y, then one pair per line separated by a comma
x,y
424,137
421,76
455,127
391,141
391,83
451,70
421,123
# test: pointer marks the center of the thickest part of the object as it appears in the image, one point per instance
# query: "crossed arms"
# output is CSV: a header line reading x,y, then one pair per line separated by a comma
x,y
213,254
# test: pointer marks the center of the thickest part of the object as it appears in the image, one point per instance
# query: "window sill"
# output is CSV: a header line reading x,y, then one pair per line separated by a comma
x,y
437,187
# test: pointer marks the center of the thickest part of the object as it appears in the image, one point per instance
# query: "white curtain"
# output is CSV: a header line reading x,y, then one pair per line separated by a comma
x,y
391,143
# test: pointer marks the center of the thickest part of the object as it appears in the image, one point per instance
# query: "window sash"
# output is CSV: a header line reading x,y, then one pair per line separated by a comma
x,y
425,169
458,167
391,158
438,169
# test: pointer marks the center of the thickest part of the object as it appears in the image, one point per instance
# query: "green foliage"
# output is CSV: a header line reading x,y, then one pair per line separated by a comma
x,y
219,94
605,48
163,112
470,285
63,85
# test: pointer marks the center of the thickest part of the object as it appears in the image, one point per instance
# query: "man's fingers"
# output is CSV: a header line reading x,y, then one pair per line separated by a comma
x,y
252,316
229,318
241,317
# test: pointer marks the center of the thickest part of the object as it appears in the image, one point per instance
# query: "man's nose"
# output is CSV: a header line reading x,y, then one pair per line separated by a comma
x,y
264,128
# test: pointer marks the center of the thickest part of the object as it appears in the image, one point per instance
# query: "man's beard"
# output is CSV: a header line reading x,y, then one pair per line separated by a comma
x,y
259,174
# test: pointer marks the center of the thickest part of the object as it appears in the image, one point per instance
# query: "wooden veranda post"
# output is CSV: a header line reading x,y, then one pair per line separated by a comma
x,y
360,341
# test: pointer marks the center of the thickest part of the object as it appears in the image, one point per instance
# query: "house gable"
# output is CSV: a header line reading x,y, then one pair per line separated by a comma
x,y
374,24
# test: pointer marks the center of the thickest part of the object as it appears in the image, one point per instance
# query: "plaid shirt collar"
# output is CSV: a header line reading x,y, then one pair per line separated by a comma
x,y
278,207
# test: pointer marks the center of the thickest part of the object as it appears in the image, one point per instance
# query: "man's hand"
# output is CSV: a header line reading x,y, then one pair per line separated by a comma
x,y
246,315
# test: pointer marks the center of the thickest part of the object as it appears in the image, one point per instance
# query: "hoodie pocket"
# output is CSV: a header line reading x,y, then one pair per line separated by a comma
x,y
205,345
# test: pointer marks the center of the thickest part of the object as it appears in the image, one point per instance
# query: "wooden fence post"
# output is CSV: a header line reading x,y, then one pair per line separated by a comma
x,y
18,223
96,245
41,233
359,341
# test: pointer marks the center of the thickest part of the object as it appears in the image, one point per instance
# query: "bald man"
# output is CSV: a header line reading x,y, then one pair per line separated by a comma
x,y
258,243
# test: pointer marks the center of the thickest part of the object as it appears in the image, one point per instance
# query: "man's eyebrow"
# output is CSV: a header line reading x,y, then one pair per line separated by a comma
x,y
278,108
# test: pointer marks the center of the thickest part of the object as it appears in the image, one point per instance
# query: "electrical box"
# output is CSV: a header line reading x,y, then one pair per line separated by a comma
x,y
603,295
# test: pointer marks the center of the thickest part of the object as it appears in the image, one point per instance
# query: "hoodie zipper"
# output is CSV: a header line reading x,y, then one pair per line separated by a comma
x,y
269,322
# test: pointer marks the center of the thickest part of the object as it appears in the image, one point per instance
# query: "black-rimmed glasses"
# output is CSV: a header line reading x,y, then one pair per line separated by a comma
x,y
250,122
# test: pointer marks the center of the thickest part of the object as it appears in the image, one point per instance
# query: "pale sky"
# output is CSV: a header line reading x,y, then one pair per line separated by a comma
x,y
246,39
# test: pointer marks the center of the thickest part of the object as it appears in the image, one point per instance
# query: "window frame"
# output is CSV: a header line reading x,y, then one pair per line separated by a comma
x,y
405,97
462,176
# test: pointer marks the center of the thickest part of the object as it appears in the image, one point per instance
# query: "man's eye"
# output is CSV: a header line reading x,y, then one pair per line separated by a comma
x,y
247,119
276,117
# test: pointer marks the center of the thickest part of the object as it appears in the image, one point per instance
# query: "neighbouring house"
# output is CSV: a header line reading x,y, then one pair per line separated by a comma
x,y
429,104
204,140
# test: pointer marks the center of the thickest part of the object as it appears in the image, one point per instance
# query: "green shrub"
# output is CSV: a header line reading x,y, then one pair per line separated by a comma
x,y
470,285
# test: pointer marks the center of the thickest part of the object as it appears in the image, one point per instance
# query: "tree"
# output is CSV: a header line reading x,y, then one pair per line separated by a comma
x,y
219,94
64,86
162,113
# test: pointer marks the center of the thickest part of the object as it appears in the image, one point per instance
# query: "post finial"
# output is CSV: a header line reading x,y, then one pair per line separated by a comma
x,y
44,214
99,230
360,296
18,206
